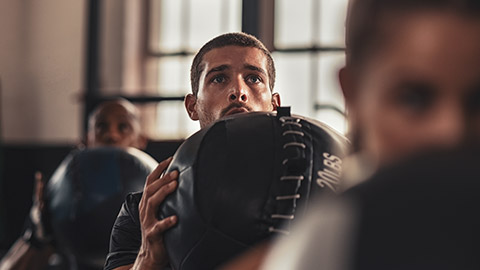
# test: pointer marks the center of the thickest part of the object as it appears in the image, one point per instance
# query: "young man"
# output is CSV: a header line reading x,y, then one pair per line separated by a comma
x,y
113,123
232,73
412,84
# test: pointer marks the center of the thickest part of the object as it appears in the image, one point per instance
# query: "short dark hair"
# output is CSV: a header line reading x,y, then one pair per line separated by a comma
x,y
230,39
365,19
131,109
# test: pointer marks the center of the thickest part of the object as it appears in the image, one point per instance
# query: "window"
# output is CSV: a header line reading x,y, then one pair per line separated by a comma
x,y
309,51
178,28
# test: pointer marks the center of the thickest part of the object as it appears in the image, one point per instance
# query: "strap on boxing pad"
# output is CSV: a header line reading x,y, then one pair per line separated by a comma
x,y
295,143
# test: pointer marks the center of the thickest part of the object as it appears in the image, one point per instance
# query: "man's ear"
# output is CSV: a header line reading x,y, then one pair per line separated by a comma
x,y
276,101
190,102
345,79
90,141
142,142
349,93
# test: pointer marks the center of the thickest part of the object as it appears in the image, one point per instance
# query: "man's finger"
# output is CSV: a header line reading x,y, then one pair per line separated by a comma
x,y
39,187
157,184
156,199
161,226
158,171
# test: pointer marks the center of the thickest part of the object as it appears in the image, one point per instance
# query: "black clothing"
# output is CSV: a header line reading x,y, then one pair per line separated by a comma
x,y
126,236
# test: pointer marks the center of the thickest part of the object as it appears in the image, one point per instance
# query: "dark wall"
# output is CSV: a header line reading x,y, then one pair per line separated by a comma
x,y
20,162
19,165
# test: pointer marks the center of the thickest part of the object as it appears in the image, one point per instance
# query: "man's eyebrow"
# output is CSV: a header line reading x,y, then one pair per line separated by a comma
x,y
255,68
217,69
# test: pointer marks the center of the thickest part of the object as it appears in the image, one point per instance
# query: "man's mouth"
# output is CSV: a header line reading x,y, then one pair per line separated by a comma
x,y
236,110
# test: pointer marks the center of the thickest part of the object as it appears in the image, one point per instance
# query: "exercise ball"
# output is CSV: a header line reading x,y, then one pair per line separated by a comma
x,y
84,195
245,178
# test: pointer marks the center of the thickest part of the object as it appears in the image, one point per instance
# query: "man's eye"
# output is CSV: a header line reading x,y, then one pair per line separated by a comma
x,y
219,79
473,101
124,127
101,127
415,97
254,79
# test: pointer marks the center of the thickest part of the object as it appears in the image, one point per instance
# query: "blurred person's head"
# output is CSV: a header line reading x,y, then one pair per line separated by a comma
x,y
115,123
230,74
412,78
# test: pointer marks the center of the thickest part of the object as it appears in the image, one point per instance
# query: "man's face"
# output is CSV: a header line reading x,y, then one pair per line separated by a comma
x,y
114,125
233,80
421,89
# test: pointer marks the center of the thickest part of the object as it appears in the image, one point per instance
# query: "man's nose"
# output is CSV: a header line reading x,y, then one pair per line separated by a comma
x,y
238,91
112,135
451,128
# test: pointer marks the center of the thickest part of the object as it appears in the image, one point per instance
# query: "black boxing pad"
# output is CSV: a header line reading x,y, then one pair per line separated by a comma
x,y
420,214
85,193
243,179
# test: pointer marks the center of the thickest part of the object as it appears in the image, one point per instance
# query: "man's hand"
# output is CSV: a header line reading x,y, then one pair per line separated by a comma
x,y
152,254
37,212
32,250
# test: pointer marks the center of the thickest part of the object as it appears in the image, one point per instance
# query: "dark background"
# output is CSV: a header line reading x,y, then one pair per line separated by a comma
x,y
18,164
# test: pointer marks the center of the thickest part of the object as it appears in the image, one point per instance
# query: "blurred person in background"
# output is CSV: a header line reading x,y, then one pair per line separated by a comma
x,y
411,81
113,123
412,85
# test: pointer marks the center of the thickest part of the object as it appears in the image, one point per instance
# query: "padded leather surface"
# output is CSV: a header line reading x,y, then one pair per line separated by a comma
x,y
85,194
243,179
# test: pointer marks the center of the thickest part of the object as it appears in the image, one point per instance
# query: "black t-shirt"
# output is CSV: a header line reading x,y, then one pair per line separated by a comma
x,y
126,236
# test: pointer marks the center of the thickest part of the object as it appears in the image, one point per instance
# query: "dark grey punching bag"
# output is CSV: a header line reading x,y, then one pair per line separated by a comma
x,y
84,195
245,178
